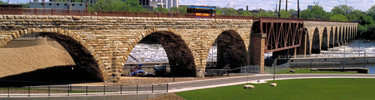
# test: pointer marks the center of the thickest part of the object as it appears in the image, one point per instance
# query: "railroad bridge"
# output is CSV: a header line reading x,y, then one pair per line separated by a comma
x,y
101,45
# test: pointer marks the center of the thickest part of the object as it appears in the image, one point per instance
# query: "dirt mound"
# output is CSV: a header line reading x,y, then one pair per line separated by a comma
x,y
26,59
169,96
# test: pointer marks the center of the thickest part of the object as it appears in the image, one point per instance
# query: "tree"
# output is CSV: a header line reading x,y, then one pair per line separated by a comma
x,y
246,13
317,12
1,2
338,17
286,14
182,9
371,11
117,5
162,10
264,13
227,11
342,9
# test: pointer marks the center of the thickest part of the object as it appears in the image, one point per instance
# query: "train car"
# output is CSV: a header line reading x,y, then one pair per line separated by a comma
x,y
202,11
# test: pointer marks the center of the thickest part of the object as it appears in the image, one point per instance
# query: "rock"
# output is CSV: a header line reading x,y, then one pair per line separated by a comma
x,y
248,86
273,84
292,71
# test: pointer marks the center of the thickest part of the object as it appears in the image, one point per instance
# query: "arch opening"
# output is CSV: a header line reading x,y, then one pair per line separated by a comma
x,y
332,38
52,58
340,38
316,46
162,54
337,36
325,42
227,52
305,44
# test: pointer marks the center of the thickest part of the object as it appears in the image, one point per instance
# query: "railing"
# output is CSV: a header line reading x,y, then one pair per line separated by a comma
x,y
69,90
336,55
48,11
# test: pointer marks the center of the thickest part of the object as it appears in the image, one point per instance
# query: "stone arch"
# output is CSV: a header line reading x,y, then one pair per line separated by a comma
x,y
88,63
231,50
346,34
340,39
332,37
353,33
316,42
325,39
337,36
180,57
305,44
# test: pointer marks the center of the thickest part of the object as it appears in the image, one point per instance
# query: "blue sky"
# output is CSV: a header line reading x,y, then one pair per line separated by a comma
x,y
363,5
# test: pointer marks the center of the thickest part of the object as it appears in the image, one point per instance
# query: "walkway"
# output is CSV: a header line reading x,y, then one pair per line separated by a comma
x,y
179,86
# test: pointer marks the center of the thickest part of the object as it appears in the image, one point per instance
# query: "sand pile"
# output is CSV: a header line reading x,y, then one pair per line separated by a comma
x,y
26,59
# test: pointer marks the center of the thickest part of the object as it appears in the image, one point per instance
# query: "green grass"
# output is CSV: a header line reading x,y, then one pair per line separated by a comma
x,y
299,89
307,71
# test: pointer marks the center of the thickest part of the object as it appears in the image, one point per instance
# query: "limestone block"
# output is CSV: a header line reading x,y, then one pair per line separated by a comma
x,y
273,84
248,86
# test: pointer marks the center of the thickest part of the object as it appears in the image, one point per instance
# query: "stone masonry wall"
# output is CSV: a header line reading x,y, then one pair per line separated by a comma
x,y
111,39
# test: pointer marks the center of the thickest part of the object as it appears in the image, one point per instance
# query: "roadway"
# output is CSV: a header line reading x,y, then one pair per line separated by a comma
x,y
182,86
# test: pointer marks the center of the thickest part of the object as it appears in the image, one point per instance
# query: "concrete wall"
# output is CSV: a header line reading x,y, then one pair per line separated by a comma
x,y
331,62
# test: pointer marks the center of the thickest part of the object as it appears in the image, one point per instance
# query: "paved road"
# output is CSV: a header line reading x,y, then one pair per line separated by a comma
x,y
181,86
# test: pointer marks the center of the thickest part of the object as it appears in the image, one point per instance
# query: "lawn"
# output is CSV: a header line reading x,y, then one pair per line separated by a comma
x,y
298,89
308,71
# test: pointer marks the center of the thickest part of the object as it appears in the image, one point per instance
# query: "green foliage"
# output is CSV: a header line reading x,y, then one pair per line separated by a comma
x,y
227,11
297,89
342,9
371,11
27,5
246,13
263,13
366,20
162,10
338,17
182,9
117,5
1,2
317,13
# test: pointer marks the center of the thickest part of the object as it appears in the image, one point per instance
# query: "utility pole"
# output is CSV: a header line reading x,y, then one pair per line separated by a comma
x,y
286,5
298,8
279,8
44,4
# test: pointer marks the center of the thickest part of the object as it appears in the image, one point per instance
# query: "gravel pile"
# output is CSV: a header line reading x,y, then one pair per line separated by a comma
x,y
27,59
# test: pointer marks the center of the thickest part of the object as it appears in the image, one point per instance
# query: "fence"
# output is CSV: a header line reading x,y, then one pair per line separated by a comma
x,y
332,55
69,90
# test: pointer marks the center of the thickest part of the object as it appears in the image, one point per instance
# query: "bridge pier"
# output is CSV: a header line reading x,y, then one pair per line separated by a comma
x,y
258,50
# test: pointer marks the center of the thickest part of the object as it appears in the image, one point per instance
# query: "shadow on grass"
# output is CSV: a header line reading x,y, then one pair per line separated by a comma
x,y
57,75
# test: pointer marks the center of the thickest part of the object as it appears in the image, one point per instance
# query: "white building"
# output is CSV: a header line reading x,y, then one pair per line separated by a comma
x,y
161,3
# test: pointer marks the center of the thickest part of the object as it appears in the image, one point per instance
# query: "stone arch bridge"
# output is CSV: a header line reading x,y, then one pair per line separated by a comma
x,y
101,44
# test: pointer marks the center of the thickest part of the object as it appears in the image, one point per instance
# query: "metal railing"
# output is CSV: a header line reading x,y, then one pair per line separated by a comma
x,y
69,90
337,55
